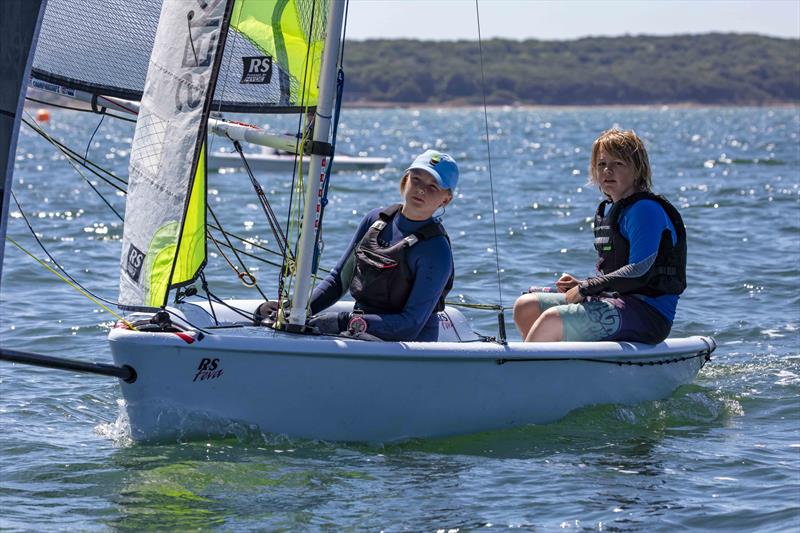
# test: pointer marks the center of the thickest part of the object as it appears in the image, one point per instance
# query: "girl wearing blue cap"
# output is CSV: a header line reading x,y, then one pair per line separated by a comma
x,y
399,265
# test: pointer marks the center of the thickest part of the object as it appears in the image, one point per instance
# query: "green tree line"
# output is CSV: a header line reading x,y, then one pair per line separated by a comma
x,y
703,69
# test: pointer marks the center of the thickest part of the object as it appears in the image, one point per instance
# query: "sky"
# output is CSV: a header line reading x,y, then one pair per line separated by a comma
x,y
567,19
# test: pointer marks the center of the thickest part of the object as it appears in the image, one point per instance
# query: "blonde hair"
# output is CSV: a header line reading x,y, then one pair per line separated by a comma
x,y
404,180
625,145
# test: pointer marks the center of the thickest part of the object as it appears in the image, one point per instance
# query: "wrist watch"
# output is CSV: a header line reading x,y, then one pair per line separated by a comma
x,y
357,323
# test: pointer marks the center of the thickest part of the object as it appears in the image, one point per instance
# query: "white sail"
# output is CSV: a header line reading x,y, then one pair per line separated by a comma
x,y
164,241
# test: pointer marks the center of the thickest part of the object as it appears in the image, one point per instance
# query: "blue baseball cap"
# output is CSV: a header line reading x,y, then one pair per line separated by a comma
x,y
439,165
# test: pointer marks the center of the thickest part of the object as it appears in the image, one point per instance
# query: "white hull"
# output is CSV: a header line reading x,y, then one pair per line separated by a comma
x,y
350,390
271,162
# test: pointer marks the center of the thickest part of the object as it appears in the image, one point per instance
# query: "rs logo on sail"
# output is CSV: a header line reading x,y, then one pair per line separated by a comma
x,y
208,369
134,262
256,69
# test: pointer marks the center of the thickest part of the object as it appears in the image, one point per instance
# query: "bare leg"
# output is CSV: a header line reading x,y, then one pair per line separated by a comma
x,y
526,311
547,328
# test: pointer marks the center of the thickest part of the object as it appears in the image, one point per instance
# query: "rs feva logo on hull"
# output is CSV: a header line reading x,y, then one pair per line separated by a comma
x,y
208,369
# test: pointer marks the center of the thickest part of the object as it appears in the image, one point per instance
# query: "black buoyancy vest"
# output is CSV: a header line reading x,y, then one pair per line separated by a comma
x,y
382,281
668,273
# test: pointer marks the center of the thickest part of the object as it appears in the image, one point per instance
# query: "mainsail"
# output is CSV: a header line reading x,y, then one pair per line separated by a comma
x,y
272,50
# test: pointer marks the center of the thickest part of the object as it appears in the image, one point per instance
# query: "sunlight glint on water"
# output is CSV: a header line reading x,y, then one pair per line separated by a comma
x,y
721,453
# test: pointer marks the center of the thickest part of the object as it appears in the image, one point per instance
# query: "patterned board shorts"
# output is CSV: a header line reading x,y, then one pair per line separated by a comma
x,y
624,318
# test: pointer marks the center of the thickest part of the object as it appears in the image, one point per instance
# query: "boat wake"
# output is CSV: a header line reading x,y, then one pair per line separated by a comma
x,y
181,426
119,431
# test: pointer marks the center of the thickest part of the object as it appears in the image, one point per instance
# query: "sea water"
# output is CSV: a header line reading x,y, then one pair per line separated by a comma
x,y
721,453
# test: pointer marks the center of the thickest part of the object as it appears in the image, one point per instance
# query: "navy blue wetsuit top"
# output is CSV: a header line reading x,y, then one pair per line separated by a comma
x,y
430,262
642,224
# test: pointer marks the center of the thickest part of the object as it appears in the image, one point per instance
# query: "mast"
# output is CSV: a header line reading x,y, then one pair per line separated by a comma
x,y
20,21
322,123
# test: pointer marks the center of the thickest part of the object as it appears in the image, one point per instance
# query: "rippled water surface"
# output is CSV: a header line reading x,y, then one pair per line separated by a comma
x,y
721,453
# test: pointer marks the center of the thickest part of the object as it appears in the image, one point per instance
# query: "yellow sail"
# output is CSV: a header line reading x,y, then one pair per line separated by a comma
x,y
292,34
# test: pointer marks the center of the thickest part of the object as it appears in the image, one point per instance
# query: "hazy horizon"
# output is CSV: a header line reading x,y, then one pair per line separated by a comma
x,y
451,20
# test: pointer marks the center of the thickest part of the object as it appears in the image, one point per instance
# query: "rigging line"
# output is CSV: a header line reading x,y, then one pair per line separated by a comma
x,y
306,65
225,257
489,155
303,131
48,254
72,163
247,240
88,164
243,252
75,286
256,257
337,114
254,245
183,319
80,110
625,362
72,282
244,239
323,202
280,238
480,307
251,280
204,284
344,33
244,267
89,144
222,302
296,198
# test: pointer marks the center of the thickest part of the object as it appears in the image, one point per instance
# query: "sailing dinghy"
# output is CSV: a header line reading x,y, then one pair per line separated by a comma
x,y
195,365
332,388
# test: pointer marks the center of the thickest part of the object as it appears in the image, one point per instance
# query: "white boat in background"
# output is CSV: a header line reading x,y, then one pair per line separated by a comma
x,y
271,160
188,369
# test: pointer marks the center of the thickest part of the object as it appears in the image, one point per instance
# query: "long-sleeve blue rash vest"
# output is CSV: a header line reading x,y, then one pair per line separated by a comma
x,y
431,264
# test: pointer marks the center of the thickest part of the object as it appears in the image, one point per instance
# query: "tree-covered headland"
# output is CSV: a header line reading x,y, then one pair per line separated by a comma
x,y
733,69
